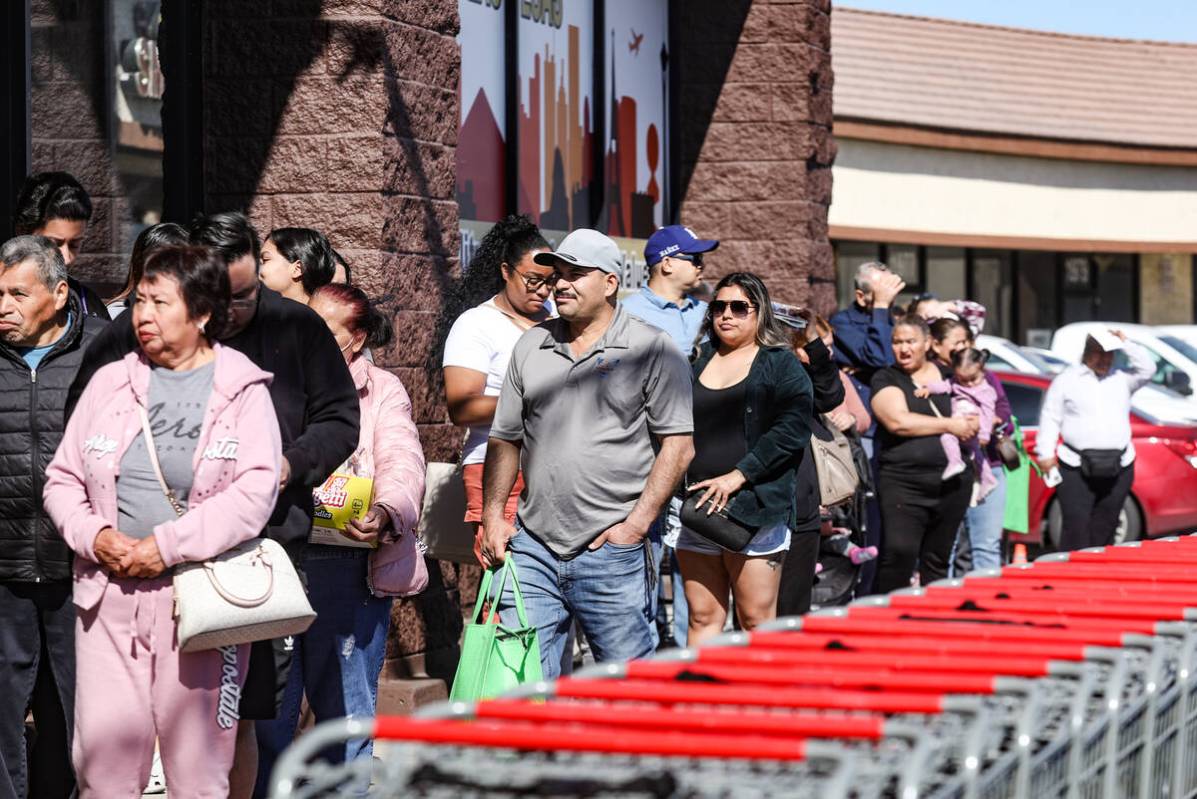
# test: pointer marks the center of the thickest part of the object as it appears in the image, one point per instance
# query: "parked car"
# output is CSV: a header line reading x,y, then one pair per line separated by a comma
x,y
1154,400
1169,396
1163,498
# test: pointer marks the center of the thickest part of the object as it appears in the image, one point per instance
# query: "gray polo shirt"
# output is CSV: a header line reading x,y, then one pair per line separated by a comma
x,y
587,424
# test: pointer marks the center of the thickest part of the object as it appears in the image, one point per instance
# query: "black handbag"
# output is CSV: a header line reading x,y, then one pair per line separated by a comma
x,y
717,527
1101,464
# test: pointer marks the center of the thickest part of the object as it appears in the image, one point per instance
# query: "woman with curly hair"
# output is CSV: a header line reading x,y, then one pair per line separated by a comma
x,y
481,340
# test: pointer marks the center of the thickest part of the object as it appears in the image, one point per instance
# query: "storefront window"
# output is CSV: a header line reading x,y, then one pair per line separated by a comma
x,y
993,288
1037,297
96,98
1115,287
945,272
848,256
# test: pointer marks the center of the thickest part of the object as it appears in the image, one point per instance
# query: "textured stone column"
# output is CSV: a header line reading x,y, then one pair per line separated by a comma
x,y
756,144
342,115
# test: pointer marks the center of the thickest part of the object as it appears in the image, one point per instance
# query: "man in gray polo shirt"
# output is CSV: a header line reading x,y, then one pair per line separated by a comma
x,y
597,405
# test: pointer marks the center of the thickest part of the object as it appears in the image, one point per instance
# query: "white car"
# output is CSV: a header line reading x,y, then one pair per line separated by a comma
x,y
1151,401
1169,397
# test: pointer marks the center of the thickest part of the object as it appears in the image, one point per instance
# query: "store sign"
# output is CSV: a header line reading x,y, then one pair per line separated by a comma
x,y
568,175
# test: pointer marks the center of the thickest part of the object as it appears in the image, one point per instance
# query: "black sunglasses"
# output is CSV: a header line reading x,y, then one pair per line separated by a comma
x,y
695,259
739,308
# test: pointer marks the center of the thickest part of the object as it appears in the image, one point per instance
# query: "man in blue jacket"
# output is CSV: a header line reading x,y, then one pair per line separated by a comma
x,y
863,330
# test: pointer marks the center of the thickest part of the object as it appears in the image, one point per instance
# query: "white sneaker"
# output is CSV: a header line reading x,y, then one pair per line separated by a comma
x,y
157,783
953,470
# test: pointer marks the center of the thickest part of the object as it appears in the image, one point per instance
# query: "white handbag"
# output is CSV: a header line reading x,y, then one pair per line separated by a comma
x,y
445,535
248,593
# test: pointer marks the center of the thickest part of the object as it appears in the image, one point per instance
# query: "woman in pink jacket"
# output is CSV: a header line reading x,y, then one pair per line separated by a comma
x,y
217,439
351,582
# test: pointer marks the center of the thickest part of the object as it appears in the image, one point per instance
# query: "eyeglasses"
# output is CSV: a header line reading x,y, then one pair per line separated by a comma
x,y
534,282
739,308
695,259
247,298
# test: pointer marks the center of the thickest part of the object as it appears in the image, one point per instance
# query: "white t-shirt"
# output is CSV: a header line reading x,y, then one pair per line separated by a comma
x,y
482,339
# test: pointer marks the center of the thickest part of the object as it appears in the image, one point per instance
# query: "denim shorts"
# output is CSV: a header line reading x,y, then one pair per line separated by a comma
x,y
767,541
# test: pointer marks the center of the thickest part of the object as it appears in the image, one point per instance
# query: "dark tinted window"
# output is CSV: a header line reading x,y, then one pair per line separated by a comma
x,y
1024,402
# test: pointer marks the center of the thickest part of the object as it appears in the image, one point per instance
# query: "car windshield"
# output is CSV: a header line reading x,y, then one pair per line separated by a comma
x,y
1046,364
1180,345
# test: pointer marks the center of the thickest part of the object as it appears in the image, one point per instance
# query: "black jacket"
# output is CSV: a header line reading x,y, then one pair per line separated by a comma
x,y
777,430
829,394
93,304
313,393
31,425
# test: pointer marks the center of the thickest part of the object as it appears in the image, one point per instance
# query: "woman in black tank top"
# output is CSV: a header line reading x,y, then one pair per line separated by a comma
x,y
752,410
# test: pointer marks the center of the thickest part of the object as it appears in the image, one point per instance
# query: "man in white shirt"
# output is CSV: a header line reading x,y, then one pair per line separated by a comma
x,y
1084,429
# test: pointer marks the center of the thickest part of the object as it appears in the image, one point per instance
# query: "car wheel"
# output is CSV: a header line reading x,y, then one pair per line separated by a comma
x,y
1130,523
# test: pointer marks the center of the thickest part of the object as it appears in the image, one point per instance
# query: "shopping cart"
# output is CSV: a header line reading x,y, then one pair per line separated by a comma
x,y
456,755
1068,677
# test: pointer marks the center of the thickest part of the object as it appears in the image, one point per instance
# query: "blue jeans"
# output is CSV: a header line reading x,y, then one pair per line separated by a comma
x,y
605,590
984,525
337,661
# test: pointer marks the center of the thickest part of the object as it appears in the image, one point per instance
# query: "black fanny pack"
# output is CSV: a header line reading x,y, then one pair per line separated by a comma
x,y
717,527
1101,464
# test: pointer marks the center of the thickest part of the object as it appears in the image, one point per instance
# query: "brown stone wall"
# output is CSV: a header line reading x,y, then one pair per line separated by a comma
x,y
69,125
755,135
341,115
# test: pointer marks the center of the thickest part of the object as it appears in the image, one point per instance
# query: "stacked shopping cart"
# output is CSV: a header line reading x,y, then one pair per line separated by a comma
x,y
1068,677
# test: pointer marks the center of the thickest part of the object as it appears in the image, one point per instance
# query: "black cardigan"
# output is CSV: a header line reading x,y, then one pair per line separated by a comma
x,y
779,403
312,391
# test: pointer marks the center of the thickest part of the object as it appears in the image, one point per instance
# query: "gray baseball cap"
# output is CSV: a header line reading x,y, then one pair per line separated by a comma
x,y
585,247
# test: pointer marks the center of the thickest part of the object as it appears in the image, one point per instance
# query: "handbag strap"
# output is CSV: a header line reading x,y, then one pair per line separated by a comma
x,y
152,450
484,593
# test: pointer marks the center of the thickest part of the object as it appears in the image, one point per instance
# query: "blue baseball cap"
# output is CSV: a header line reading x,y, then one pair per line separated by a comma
x,y
674,239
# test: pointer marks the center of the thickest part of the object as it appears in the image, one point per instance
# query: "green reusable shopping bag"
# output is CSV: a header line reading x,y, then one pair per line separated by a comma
x,y
495,657
1018,488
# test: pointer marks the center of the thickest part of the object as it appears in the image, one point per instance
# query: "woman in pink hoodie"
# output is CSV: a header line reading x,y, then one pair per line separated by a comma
x,y
351,581
217,438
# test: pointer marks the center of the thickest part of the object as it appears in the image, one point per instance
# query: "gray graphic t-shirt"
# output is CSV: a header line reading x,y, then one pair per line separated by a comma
x,y
177,402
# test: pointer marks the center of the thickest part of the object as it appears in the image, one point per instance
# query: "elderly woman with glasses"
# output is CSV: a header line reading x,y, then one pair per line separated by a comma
x,y
752,413
516,290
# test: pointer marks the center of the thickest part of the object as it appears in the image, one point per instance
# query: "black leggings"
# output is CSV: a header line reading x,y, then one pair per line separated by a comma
x,y
922,513
798,574
1091,507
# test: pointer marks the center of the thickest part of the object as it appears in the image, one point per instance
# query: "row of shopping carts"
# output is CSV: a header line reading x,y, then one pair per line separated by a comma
x,y
1068,677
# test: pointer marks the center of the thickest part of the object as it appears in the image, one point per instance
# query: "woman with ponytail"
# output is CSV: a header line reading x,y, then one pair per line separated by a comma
x,y
338,660
481,340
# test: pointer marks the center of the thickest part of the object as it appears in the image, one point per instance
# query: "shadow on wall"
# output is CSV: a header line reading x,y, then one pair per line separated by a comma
x,y
704,39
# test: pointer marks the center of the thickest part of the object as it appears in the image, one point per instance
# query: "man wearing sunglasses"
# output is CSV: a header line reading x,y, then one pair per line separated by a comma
x,y
675,260
597,405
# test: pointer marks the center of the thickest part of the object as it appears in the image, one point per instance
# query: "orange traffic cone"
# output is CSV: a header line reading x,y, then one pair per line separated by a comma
x,y
1020,554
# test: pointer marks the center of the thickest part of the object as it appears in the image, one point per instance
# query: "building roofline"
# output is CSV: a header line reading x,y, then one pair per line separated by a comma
x,y
838,9
904,133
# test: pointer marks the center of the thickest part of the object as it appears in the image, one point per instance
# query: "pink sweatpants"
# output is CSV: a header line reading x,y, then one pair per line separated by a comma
x,y
133,684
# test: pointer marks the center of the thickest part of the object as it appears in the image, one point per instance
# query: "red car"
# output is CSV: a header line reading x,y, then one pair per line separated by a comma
x,y
1163,497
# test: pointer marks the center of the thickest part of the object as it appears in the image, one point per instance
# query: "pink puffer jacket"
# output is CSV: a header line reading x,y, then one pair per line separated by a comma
x,y
236,466
389,450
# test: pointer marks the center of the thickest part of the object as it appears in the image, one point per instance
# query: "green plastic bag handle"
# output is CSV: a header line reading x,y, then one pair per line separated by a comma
x,y
508,568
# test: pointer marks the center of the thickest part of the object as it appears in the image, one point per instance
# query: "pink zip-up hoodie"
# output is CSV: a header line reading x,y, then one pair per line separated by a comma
x,y
389,450
237,461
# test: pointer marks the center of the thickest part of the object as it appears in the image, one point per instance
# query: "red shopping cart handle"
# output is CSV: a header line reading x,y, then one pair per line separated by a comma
x,y
996,618
1131,573
727,721
1168,555
761,644
896,623
973,662
1113,591
981,601
855,676
585,738
763,696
